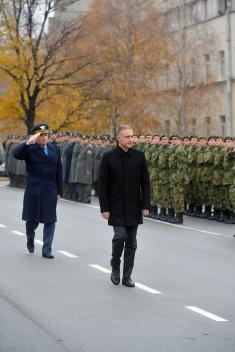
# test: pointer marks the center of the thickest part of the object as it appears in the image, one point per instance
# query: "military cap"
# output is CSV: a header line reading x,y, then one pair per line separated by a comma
x,y
41,128
174,136
227,138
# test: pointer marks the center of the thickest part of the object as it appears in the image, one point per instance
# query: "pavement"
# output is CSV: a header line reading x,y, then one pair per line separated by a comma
x,y
183,300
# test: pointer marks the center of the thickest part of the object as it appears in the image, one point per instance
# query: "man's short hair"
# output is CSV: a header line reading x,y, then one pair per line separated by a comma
x,y
122,128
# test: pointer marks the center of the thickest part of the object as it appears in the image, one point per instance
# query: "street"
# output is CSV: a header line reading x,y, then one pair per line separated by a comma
x,y
183,300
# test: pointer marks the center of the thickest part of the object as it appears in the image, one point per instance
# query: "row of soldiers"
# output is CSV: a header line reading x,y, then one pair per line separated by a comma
x,y
191,175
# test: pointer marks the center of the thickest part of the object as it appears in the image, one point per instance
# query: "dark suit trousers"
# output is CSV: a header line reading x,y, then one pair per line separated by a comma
x,y
48,234
124,239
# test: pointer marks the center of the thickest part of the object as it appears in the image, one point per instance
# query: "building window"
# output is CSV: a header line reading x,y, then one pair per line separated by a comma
x,y
194,126
222,121
208,8
167,126
194,13
208,125
207,66
222,6
222,65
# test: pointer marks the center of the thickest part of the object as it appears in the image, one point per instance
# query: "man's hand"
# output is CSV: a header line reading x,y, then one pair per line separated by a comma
x,y
106,215
33,138
145,212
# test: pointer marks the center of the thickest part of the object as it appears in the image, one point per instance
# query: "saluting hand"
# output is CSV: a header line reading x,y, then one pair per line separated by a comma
x,y
33,138
106,215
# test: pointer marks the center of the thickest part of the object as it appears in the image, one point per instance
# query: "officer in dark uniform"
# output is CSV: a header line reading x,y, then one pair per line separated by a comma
x,y
44,186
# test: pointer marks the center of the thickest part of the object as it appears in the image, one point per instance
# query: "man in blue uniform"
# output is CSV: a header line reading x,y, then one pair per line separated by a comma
x,y
43,188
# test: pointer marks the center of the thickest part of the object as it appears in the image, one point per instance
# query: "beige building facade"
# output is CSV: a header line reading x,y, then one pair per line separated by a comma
x,y
199,83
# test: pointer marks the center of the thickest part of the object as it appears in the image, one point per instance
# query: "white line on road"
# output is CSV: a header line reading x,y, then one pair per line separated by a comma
x,y
2,226
206,314
38,242
148,289
67,254
191,228
164,223
18,233
79,203
137,284
100,268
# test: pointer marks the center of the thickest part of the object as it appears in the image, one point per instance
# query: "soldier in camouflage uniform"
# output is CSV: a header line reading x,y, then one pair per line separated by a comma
x,y
217,180
204,164
163,181
228,183
152,154
192,187
178,180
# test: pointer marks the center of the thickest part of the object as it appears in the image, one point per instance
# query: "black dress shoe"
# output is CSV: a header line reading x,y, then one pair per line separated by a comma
x,y
128,282
47,255
115,277
30,246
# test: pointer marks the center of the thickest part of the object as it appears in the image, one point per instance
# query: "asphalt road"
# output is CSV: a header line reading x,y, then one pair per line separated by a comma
x,y
184,299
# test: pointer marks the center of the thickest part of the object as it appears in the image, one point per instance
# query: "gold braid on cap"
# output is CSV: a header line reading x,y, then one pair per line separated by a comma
x,y
41,131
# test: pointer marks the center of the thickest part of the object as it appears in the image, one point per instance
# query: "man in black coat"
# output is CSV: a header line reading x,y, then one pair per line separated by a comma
x,y
124,194
43,188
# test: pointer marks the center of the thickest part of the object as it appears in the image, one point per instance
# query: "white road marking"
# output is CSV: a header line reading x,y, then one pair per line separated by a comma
x,y
164,223
67,254
148,289
137,284
191,228
206,314
18,233
85,205
100,268
38,242
2,226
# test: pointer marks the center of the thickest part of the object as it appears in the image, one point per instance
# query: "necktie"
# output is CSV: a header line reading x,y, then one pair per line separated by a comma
x,y
45,149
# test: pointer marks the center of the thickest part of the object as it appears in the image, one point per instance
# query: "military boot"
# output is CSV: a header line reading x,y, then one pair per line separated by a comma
x,y
178,219
207,211
190,210
171,213
227,217
215,214
162,215
154,212
232,219
220,217
198,212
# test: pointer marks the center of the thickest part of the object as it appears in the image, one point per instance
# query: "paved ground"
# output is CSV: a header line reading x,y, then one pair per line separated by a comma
x,y
184,301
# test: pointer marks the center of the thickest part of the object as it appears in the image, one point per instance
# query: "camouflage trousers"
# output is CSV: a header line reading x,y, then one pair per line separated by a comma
x,y
163,195
217,196
154,193
191,193
205,193
231,193
177,193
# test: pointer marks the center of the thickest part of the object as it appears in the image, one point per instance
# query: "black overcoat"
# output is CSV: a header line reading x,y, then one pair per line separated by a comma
x,y
124,186
44,181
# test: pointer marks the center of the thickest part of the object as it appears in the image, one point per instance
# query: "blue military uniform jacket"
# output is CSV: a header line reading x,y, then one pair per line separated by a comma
x,y
44,181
